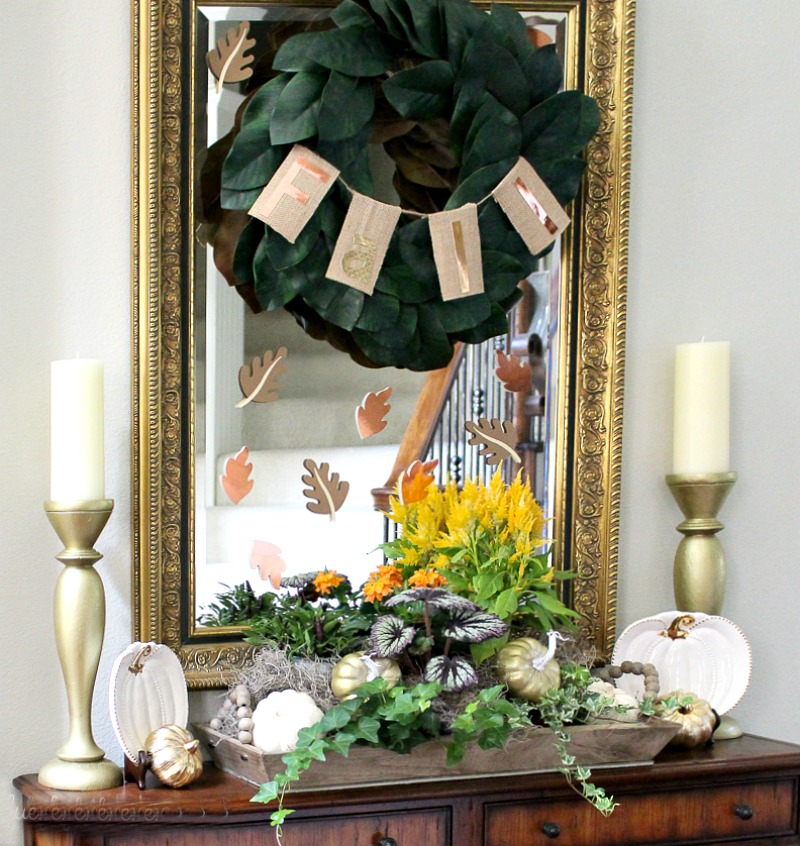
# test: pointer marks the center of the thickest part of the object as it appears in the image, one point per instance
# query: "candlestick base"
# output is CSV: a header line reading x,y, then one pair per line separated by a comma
x,y
80,775
79,613
699,573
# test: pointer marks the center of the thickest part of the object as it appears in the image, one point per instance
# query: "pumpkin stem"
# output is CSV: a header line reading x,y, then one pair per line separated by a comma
x,y
674,632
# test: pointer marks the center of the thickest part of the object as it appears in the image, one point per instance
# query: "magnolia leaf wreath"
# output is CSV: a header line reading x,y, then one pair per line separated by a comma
x,y
455,96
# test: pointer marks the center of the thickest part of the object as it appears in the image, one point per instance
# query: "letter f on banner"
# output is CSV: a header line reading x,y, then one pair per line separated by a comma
x,y
294,193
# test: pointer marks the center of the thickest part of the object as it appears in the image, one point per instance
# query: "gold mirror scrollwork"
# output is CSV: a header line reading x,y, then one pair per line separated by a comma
x,y
164,74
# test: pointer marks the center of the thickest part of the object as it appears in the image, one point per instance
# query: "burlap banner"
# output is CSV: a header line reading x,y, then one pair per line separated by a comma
x,y
300,184
533,211
291,197
457,251
362,243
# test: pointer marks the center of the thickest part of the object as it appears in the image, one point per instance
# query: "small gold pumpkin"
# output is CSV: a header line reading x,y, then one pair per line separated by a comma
x,y
694,715
515,669
357,668
175,756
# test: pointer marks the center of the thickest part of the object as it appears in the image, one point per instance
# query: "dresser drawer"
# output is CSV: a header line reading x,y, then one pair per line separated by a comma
x,y
413,828
764,809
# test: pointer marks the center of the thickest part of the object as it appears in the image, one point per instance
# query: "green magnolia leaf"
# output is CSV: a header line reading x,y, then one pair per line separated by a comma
x,y
544,73
283,254
349,13
493,137
498,69
468,100
295,115
509,27
356,51
495,324
346,107
459,22
390,635
239,200
474,626
246,248
423,92
560,126
459,314
251,163
380,311
452,673
480,183
562,176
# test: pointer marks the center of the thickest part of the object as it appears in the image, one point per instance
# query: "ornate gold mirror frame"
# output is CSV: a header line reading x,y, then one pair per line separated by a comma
x,y
163,429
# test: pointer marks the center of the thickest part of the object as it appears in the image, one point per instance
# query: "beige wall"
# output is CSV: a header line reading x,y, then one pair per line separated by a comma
x,y
714,252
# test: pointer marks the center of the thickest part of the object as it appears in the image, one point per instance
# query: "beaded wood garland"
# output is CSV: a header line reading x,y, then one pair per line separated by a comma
x,y
456,97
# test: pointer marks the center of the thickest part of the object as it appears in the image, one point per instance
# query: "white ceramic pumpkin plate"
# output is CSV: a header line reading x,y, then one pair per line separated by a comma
x,y
147,690
711,656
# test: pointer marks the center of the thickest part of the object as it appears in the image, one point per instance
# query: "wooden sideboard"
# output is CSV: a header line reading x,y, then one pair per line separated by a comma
x,y
744,792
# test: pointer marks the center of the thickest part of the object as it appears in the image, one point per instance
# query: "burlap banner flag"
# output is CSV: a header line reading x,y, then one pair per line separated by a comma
x,y
533,211
292,196
457,251
362,243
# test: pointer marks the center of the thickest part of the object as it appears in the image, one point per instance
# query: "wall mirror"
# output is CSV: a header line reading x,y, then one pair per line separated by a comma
x,y
192,333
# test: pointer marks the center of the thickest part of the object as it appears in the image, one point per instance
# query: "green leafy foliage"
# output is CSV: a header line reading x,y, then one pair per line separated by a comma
x,y
466,94
302,622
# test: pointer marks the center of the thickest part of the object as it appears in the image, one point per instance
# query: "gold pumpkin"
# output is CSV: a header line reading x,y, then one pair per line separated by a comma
x,y
354,670
175,756
696,719
515,669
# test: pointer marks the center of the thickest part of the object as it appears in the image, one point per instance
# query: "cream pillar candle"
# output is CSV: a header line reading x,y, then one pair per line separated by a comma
x,y
77,463
702,408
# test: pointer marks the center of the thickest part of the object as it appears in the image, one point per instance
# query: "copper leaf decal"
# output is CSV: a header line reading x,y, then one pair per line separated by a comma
x,y
498,440
371,413
228,61
413,484
266,558
235,481
513,373
260,381
324,489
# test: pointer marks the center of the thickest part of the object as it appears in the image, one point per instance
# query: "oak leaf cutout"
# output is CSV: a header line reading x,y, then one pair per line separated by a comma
x,y
235,481
513,373
371,413
498,439
228,61
413,484
325,490
265,558
260,381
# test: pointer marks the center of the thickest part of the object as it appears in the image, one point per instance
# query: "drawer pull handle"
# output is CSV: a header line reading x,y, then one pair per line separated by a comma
x,y
551,830
744,812
387,841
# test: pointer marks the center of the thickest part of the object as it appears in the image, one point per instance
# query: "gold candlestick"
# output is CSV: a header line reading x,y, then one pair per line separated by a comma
x,y
79,614
699,573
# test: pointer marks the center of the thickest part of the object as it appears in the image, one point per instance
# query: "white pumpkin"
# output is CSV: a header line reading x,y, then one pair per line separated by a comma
x,y
704,653
147,690
621,698
277,720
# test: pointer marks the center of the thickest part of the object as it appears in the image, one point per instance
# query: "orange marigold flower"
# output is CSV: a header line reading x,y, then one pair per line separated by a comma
x,y
389,574
376,590
325,582
427,578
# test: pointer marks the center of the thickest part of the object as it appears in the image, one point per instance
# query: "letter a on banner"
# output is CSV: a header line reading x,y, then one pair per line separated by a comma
x,y
292,196
457,251
530,206
362,243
